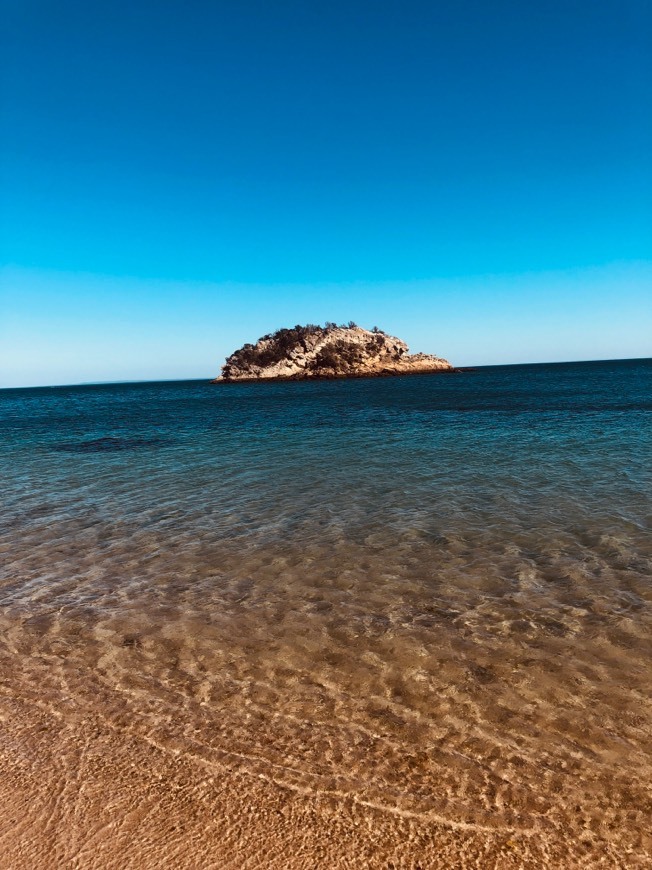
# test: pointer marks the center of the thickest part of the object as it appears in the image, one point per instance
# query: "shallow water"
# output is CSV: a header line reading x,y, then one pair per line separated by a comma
x,y
427,595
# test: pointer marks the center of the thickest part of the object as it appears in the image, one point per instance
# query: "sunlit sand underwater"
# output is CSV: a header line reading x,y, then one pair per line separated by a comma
x,y
375,623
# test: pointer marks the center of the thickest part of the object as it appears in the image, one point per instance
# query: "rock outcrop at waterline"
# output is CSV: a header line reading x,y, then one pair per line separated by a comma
x,y
329,351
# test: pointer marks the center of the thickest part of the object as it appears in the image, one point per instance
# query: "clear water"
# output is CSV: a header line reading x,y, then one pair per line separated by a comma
x,y
430,595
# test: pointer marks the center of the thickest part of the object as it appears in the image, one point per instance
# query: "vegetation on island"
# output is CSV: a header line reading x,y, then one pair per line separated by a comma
x,y
277,346
342,355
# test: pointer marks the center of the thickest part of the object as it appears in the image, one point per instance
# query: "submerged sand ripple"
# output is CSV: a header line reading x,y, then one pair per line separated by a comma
x,y
80,792
321,707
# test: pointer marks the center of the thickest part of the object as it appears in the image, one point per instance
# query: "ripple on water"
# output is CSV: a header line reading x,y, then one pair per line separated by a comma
x,y
436,618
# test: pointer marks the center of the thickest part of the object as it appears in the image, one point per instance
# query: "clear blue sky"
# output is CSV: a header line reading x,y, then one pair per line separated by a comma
x,y
179,178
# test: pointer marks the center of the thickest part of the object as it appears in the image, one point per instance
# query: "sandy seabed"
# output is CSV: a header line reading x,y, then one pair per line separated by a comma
x,y
78,791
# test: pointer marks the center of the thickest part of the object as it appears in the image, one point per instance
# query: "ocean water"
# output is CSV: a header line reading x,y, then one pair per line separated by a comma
x,y
426,595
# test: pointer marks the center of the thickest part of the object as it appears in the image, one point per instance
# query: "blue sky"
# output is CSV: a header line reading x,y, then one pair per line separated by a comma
x,y
182,177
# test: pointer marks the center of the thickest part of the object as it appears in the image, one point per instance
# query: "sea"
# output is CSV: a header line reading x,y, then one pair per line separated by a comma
x,y
427,595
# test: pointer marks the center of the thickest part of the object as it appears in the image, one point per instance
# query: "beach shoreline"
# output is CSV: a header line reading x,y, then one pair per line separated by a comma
x,y
400,626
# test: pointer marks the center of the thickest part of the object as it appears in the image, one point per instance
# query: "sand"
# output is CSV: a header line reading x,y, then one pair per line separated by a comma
x,y
79,789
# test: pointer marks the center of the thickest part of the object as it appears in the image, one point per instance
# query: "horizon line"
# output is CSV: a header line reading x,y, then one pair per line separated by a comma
x,y
208,378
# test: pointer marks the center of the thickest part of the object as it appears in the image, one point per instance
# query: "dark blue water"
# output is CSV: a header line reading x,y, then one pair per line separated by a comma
x,y
455,560
513,447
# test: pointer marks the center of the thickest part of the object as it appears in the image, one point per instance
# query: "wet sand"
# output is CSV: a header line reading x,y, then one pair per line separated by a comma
x,y
89,788
83,794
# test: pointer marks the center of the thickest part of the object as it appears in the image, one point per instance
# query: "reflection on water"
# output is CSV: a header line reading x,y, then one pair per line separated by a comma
x,y
101,445
428,595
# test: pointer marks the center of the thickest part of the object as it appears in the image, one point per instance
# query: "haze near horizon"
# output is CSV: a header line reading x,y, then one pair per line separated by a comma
x,y
181,179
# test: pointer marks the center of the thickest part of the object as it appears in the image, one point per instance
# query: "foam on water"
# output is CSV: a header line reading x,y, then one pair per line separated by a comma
x,y
429,596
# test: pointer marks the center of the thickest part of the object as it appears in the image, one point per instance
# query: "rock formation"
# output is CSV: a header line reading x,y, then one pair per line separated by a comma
x,y
329,351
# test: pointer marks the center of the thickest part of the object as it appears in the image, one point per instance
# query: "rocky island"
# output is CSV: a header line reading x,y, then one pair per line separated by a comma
x,y
329,351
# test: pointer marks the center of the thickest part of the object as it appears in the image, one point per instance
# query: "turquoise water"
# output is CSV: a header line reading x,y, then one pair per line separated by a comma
x,y
430,592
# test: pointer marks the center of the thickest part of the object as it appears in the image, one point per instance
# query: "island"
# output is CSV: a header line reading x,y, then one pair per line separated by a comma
x,y
330,351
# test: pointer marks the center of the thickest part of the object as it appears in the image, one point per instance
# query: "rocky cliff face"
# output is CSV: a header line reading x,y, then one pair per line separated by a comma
x,y
329,351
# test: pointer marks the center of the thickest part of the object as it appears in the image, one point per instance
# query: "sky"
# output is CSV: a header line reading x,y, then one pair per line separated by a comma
x,y
179,178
